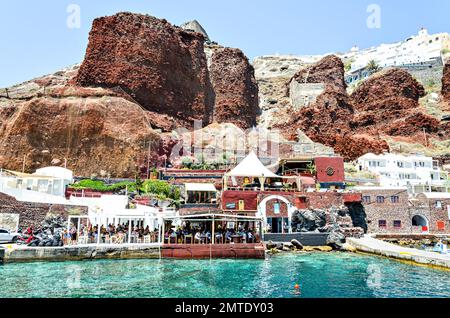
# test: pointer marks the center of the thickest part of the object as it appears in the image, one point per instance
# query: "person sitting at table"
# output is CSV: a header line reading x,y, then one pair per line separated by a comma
x,y
228,236
147,231
219,237
250,237
198,237
207,234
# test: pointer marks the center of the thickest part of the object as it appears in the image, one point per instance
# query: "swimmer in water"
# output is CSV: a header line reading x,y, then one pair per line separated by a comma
x,y
297,290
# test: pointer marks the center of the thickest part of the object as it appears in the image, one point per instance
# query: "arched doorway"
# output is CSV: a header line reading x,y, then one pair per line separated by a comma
x,y
421,222
271,220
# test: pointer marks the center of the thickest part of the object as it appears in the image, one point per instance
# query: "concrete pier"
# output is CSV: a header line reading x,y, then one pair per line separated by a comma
x,y
371,245
17,253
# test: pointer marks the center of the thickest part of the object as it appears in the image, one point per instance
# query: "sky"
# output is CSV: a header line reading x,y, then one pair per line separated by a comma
x,y
42,36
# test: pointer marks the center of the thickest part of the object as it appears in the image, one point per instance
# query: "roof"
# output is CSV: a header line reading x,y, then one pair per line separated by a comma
x,y
251,166
437,195
203,187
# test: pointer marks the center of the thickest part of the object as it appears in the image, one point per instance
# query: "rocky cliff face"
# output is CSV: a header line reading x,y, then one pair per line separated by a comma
x,y
98,131
235,88
446,83
328,119
388,104
139,73
161,66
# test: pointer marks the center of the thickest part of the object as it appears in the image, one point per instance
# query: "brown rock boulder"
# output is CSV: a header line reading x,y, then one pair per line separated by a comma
x,y
329,119
93,134
233,79
394,90
388,103
329,70
161,66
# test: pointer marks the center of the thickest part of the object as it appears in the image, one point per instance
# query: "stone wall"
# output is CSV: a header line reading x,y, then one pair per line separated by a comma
x,y
387,211
436,215
436,212
34,213
304,94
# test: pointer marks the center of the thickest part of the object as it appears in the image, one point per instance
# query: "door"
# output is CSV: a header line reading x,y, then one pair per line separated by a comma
x,y
4,236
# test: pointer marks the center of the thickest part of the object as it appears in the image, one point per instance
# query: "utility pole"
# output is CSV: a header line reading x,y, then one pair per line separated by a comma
x,y
425,136
7,94
148,161
23,163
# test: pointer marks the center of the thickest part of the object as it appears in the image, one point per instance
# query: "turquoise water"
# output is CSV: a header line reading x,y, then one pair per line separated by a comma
x,y
319,275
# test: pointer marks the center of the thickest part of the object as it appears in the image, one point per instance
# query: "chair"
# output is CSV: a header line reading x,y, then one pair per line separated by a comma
x,y
82,240
147,239
120,239
113,239
189,236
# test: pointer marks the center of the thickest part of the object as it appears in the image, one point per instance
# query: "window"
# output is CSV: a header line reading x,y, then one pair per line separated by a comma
x,y
3,231
366,199
438,204
380,199
276,208
441,225
395,199
382,223
397,224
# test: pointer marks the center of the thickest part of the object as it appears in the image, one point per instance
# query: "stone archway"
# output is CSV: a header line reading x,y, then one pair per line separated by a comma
x,y
419,220
262,209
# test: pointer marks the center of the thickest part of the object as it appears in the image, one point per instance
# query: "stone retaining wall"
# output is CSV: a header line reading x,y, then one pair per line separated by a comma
x,y
77,253
35,213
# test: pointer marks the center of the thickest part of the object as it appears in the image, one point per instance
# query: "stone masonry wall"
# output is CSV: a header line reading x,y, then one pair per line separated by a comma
x,y
387,211
34,213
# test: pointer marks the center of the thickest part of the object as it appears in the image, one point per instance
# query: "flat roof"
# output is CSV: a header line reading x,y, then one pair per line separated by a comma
x,y
200,187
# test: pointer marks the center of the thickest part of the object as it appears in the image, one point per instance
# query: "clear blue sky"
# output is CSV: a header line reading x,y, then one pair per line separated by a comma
x,y
35,39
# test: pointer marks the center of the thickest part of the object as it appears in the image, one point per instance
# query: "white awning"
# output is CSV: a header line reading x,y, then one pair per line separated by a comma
x,y
200,187
251,166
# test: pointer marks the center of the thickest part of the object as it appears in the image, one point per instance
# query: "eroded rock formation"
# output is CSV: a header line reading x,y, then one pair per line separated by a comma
x,y
161,66
93,134
235,88
386,105
328,119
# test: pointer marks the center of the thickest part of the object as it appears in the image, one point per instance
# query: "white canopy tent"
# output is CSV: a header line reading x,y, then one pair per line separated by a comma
x,y
250,167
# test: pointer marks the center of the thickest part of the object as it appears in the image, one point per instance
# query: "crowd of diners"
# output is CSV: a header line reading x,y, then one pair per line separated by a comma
x,y
114,234
201,234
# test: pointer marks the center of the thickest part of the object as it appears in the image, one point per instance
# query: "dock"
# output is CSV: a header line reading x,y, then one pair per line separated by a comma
x,y
370,245
20,254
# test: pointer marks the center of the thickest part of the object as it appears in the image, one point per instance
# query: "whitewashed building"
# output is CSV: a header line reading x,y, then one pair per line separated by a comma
x,y
46,185
423,49
418,173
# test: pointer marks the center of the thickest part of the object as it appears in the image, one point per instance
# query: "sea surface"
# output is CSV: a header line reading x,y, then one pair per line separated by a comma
x,y
319,275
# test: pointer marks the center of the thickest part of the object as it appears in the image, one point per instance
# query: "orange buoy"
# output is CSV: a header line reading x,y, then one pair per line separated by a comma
x,y
297,286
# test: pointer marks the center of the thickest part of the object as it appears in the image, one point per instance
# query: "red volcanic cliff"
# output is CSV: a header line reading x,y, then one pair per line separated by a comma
x,y
328,119
329,70
93,134
161,66
235,86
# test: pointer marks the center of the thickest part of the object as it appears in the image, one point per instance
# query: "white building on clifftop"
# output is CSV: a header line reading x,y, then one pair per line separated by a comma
x,y
421,50
418,173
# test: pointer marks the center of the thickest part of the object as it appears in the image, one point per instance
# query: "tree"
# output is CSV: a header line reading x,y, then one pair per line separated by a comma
x,y
373,67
